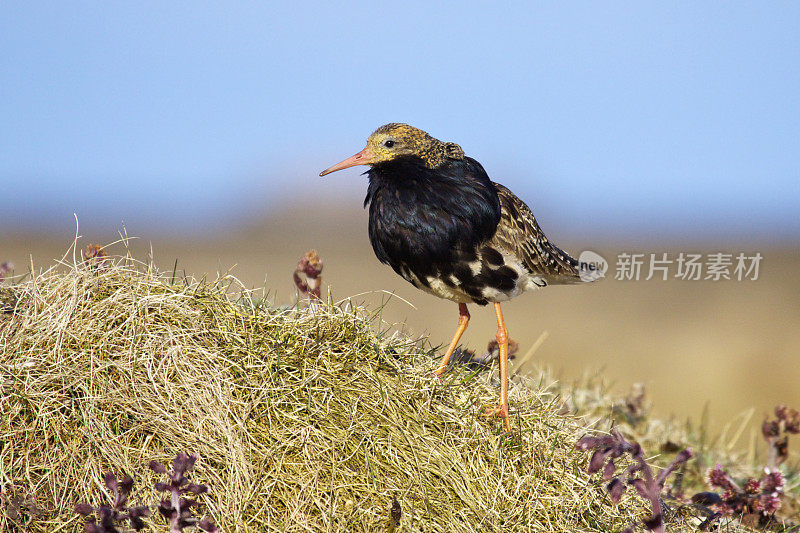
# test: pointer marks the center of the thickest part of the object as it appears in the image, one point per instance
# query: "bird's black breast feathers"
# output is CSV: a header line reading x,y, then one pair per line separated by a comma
x,y
423,221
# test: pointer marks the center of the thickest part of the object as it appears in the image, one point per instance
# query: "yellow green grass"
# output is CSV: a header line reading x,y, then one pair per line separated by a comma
x,y
305,419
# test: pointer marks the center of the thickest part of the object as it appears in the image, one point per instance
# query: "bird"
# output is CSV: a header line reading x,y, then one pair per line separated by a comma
x,y
440,222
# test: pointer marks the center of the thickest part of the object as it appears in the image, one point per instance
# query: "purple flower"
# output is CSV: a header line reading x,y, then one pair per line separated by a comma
x,y
773,480
719,479
752,486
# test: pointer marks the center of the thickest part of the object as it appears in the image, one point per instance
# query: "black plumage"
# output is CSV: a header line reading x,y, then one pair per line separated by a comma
x,y
425,223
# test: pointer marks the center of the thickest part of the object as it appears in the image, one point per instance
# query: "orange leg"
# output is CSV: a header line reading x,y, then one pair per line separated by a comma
x,y
502,341
463,322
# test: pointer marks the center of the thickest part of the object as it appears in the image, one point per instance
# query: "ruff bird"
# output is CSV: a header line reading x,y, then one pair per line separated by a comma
x,y
441,223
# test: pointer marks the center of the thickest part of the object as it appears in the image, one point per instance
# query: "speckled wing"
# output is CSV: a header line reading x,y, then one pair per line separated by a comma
x,y
518,233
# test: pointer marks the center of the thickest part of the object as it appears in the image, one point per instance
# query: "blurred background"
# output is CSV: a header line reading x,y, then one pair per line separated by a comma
x,y
200,129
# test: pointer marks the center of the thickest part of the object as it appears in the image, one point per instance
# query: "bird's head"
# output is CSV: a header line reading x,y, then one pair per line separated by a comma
x,y
393,141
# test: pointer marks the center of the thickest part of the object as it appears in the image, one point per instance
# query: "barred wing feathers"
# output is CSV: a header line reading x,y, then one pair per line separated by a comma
x,y
520,234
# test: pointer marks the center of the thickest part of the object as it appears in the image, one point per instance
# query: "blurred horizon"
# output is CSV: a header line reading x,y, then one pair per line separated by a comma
x,y
616,122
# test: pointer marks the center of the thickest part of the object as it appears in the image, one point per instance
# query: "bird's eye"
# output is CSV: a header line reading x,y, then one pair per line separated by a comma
x,y
389,143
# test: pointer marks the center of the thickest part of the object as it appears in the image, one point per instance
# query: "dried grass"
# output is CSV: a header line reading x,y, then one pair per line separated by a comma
x,y
304,419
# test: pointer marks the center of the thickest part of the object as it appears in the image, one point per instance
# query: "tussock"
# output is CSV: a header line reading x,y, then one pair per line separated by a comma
x,y
304,419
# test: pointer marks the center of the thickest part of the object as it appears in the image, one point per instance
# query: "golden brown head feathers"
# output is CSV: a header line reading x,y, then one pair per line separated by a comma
x,y
395,140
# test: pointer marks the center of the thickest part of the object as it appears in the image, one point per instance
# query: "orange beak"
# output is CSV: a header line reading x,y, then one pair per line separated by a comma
x,y
364,157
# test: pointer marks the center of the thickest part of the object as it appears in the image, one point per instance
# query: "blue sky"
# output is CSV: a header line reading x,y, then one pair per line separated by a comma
x,y
667,119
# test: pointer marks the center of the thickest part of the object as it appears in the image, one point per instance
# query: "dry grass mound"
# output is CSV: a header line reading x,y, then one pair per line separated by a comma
x,y
304,419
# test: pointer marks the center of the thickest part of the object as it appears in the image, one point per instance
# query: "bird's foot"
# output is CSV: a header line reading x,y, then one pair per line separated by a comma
x,y
439,371
499,411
